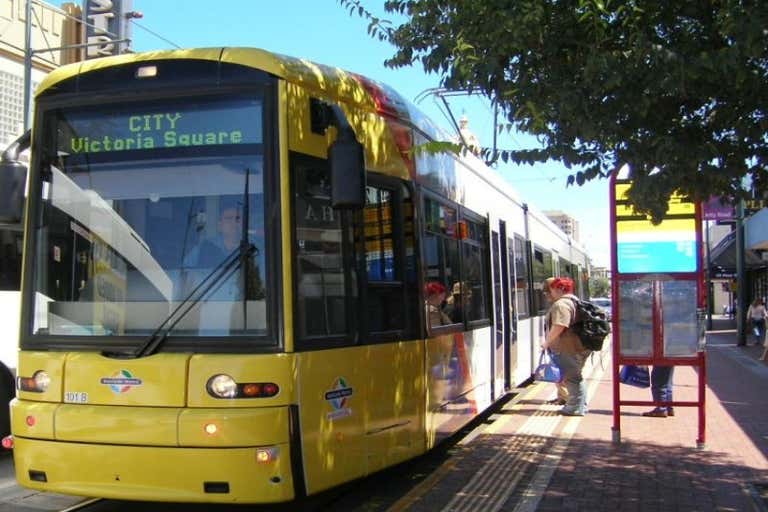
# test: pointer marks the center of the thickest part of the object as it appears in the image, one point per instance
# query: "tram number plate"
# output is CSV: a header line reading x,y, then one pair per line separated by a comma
x,y
75,397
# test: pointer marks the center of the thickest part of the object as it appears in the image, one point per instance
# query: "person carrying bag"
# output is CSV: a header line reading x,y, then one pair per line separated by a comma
x,y
548,370
569,352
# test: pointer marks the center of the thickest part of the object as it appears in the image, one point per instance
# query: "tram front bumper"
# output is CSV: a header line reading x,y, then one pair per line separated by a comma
x,y
150,473
154,453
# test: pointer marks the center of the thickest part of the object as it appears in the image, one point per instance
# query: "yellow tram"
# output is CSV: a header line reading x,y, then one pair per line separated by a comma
x,y
241,284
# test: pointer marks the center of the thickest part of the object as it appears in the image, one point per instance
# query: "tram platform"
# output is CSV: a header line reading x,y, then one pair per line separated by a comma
x,y
527,457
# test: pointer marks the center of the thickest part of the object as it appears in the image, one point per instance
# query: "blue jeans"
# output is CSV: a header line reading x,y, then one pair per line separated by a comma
x,y
758,329
571,366
661,384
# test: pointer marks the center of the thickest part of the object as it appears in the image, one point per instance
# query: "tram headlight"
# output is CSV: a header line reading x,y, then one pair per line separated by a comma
x,y
38,383
42,380
222,386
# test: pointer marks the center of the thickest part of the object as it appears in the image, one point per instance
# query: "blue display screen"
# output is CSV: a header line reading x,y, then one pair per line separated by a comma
x,y
657,256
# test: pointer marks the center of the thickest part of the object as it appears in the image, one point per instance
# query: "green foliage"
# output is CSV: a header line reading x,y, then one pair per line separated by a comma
x,y
599,287
676,90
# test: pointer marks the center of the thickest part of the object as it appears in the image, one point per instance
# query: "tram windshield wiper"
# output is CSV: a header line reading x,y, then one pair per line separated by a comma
x,y
221,273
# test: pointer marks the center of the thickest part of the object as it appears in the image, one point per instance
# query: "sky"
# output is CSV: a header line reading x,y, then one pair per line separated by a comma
x,y
324,32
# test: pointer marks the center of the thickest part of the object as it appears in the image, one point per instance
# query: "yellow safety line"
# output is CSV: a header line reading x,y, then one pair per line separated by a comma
x,y
531,496
494,427
428,483
421,489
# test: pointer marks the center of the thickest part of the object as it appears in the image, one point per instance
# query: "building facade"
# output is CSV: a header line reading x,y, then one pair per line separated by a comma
x,y
723,254
568,224
51,28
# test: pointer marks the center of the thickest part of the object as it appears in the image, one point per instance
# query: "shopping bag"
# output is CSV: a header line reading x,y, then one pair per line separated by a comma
x,y
635,376
547,371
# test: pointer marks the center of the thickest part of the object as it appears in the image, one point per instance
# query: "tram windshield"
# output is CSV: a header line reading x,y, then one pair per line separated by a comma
x,y
139,203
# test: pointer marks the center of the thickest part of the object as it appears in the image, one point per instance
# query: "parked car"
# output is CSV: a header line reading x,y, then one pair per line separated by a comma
x,y
603,303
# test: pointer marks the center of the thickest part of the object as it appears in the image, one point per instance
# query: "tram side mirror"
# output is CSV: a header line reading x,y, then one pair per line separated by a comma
x,y
13,178
347,161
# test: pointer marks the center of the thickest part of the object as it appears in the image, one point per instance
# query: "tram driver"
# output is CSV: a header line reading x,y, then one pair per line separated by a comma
x,y
219,313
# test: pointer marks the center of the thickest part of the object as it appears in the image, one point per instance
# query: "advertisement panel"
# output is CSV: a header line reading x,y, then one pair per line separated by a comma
x,y
643,247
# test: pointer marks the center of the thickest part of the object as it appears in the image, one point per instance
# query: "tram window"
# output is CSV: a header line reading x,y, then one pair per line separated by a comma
x,y
498,289
440,219
542,269
390,272
441,265
324,269
584,280
474,271
379,238
521,278
10,259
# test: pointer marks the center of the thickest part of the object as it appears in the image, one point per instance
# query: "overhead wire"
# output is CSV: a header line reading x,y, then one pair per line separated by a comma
x,y
439,97
45,38
65,14
156,34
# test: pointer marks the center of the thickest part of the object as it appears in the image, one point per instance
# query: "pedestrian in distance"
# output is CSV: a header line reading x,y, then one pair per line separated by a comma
x,y
756,314
661,390
570,355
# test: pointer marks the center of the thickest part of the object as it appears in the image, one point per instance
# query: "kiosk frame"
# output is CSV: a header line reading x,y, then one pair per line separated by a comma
x,y
658,296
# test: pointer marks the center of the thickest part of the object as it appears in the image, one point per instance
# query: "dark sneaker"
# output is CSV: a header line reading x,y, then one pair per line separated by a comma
x,y
670,411
656,413
556,401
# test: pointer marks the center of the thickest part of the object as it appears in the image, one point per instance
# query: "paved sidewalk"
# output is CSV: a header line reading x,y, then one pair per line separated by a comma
x,y
529,458
657,465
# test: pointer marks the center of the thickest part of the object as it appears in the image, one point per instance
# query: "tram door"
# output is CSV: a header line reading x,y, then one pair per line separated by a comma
x,y
511,352
501,309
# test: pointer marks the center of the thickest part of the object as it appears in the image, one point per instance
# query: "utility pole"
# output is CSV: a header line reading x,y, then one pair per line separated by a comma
x,y
27,63
741,277
68,12
709,276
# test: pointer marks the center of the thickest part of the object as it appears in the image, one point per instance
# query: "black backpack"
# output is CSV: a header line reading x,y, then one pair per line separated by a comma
x,y
590,324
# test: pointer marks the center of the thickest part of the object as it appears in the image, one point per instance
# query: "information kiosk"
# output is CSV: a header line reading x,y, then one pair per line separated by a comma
x,y
658,295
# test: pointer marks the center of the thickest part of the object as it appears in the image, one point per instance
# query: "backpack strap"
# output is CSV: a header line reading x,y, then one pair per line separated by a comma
x,y
575,304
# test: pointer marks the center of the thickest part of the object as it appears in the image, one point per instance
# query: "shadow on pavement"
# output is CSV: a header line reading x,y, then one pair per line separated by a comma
x,y
597,475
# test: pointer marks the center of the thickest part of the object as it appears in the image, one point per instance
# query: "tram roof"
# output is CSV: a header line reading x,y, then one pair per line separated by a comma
x,y
335,82
331,80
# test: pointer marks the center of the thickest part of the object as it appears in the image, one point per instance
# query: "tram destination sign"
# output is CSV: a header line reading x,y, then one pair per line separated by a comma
x,y
155,126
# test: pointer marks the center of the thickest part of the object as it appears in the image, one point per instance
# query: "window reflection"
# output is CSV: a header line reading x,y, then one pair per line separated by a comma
x,y
441,265
115,260
521,277
681,329
636,326
324,282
